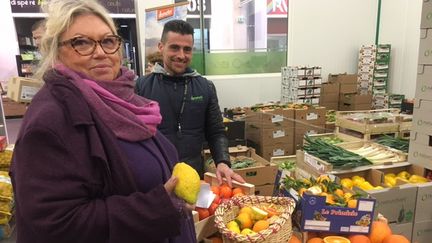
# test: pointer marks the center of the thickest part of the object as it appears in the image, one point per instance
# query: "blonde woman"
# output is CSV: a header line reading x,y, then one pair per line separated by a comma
x,y
89,164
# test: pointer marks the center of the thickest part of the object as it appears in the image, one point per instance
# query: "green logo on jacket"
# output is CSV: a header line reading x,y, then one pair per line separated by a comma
x,y
197,98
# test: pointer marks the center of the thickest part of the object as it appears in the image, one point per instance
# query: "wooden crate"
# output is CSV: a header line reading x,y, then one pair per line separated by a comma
x,y
342,136
365,124
398,155
206,227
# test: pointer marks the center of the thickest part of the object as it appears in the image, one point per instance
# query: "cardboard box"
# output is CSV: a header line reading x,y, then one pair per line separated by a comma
x,y
424,199
330,88
312,115
317,216
270,118
263,173
281,149
397,204
348,88
264,190
330,105
422,119
269,136
342,78
235,131
301,131
426,19
354,107
402,229
23,89
420,154
424,82
355,99
425,49
329,98
422,232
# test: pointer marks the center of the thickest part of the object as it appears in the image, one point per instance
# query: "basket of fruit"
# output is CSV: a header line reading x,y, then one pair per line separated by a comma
x,y
255,219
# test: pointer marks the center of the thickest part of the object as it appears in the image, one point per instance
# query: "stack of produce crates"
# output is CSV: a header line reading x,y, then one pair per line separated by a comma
x,y
395,100
420,149
301,85
381,77
367,58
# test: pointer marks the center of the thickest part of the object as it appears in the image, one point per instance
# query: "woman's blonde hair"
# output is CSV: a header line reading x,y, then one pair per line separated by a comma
x,y
61,15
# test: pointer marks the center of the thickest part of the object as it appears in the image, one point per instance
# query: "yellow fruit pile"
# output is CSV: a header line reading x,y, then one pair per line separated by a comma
x,y
324,186
390,179
359,182
252,219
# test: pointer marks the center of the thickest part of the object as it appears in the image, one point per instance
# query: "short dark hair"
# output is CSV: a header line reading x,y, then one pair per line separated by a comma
x,y
37,24
177,26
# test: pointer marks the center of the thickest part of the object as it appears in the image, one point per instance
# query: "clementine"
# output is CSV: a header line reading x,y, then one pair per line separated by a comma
x,y
215,190
395,239
379,231
215,239
260,225
202,213
315,240
212,208
225,191
294,239
359,239
237,190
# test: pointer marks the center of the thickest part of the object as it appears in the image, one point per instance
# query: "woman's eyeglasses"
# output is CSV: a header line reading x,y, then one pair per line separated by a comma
x,y
85,46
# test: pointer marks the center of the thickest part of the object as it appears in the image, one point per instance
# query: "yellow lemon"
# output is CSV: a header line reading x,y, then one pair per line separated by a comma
x,y
357,180
347,183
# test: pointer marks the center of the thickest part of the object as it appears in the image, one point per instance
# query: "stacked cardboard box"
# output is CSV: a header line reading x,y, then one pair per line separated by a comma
x,y
271,131
301,85
349,98
308,121
330,95
381,77
21,89
366,65
420,151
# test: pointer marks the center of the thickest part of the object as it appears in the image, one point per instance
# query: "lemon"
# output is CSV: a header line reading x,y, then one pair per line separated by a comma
x,y
390,174
233,226
365,185
390,181
417,179
357,180
404,174
247,231
247,210
347,183
189,183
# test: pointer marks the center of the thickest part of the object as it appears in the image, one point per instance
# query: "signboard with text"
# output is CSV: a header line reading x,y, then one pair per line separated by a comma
x,y
277,7
113,6
195,7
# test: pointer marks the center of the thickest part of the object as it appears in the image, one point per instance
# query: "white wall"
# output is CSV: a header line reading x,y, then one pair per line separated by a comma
x,y
8,43
400,27
329,33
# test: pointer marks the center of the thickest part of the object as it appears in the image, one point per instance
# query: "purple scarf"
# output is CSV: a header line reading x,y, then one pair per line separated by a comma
x,y
131,117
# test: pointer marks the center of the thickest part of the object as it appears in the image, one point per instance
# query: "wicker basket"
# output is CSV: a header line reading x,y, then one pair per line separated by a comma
x,y
280,231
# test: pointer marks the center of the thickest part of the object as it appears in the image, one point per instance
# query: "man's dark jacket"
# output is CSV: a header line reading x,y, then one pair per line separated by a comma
x,y
200,121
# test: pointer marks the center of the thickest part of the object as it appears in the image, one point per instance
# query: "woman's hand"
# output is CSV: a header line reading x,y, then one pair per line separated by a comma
x,y
169,187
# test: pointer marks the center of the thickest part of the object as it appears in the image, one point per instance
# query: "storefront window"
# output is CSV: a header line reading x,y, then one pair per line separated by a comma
x,y
239,36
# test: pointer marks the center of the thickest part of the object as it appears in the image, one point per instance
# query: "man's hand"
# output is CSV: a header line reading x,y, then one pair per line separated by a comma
x,y
222,170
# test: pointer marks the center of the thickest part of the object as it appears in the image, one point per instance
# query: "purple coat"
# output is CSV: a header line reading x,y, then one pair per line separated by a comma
x,y
75,182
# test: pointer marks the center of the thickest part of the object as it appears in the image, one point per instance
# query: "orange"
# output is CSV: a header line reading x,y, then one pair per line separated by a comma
x,y
245,220
395,239
260,225
215,239
294,239
236,191
359,239
352,203
202,213
212,208
215,190
336,239
315,240
339,192
379,231
225,191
